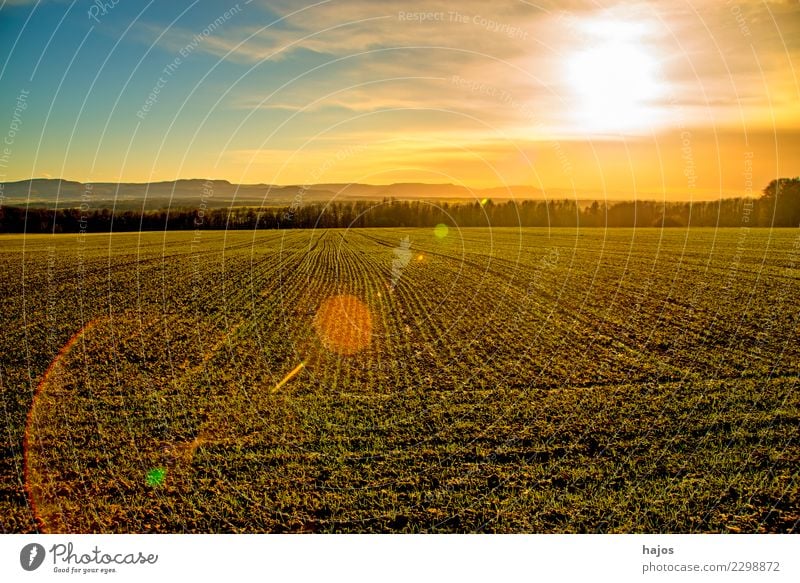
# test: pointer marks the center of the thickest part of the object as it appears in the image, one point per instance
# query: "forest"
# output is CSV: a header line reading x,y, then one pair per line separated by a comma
x,y
779,206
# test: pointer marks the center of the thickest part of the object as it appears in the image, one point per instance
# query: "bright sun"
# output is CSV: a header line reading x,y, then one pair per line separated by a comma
x,y
613,82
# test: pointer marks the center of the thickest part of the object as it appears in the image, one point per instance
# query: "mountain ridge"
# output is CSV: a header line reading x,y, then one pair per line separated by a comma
x,y
184,192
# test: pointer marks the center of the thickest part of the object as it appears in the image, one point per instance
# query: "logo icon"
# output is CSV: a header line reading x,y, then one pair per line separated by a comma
x,y
31,556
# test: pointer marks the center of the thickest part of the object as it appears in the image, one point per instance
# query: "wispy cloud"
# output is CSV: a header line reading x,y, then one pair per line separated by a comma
x,y
517,50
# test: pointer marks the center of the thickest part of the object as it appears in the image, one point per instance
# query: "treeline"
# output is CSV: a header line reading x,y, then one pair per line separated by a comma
x,y
777,210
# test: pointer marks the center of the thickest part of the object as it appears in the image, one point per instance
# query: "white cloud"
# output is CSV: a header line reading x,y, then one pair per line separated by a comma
x,y
517,49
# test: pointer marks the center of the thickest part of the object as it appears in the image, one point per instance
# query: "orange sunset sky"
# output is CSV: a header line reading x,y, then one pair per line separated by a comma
x,y
677,99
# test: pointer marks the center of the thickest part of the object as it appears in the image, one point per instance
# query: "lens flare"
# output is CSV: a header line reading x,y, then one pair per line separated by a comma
x,y
344,324
155,477
441,230
290,376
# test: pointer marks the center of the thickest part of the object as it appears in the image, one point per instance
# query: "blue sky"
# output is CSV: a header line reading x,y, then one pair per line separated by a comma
x,y
582,95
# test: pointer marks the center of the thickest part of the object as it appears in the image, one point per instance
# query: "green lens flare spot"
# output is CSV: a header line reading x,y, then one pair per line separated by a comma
x,y
441,231
155,477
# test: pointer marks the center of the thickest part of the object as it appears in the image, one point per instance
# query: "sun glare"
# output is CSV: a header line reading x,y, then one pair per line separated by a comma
x,y
344,324
614,83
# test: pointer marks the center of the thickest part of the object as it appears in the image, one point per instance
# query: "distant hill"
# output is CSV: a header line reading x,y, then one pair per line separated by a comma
x,y
45,192
192,193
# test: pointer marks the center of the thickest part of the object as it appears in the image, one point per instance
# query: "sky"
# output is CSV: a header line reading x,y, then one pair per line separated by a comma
x,y
674,99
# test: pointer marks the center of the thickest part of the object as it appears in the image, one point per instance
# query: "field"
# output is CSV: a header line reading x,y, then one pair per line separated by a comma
x,y
401,380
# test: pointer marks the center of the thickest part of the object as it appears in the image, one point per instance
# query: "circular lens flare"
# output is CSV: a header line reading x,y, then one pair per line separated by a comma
x,y
344,324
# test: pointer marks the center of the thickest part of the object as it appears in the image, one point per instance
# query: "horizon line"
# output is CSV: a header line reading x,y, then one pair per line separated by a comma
x,y
704,194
